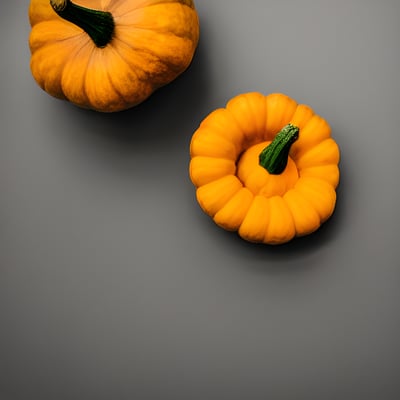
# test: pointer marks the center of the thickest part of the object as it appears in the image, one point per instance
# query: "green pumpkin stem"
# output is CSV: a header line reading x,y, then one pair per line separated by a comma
x,y
274,157
99,25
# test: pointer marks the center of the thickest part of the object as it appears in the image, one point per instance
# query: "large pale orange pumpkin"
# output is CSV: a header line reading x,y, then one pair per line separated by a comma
x,y
110,55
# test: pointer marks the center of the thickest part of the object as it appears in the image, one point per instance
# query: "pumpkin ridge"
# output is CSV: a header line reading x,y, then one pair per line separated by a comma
x,y
121,56
148,51
297,193
320,194
109,80
164,3
85,73
111,6
45,26
212,124
331,173
159,31
277,203
39,55
117,54
49,45
133,68
60,22
312,133
253,114
143,19
330,150
279,111
183,3
70,60
302,115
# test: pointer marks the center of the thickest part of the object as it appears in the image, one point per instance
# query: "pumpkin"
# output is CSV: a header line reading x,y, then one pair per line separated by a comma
x,y
110,55
265,167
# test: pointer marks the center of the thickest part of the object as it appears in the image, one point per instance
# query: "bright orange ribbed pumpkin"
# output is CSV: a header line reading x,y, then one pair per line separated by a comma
x,y
266,167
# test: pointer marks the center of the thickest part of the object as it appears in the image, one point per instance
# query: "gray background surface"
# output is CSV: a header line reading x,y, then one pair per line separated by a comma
x,y
115,285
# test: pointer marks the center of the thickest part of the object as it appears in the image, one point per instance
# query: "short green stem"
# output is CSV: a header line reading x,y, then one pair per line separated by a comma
x,y
99,25
274,157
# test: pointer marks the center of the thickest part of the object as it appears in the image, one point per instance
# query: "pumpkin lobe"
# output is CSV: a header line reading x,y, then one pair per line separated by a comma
x,y
99,25
274,157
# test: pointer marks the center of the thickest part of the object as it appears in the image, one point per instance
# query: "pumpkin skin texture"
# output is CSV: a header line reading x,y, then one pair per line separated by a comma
x,y
231,150
150,43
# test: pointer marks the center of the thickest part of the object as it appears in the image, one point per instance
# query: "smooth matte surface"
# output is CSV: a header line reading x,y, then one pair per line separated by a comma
x,y
115,285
